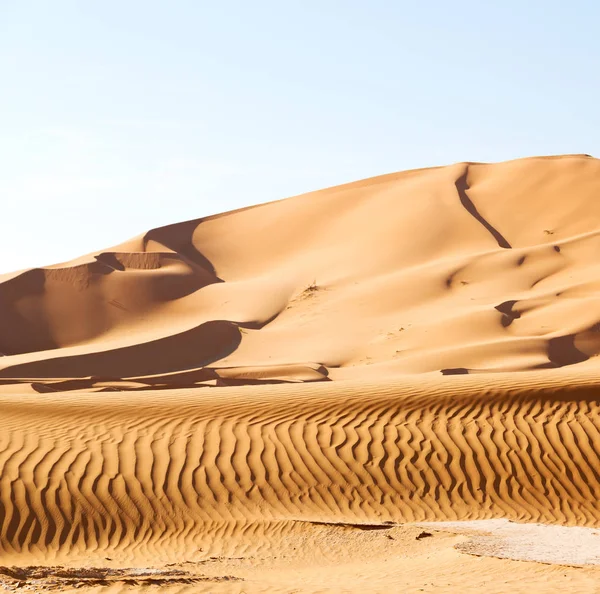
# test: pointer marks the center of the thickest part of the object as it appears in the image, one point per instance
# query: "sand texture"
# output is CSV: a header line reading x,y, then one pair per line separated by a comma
x,y
289,397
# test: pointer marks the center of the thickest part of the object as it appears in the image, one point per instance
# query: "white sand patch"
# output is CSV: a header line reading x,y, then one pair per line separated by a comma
x,y
561,545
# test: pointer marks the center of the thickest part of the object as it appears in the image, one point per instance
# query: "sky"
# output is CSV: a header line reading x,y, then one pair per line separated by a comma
x,y
118,116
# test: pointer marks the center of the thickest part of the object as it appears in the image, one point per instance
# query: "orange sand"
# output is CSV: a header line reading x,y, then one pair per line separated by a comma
x,y
433,336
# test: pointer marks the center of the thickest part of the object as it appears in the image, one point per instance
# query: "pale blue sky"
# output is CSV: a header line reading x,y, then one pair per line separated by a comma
x,y
120,116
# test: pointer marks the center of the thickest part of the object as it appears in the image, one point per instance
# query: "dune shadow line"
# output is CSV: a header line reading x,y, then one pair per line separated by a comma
x,y
191,349
462,186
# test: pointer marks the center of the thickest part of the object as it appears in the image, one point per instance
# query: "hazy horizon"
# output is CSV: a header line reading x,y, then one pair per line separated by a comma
x,y
119,118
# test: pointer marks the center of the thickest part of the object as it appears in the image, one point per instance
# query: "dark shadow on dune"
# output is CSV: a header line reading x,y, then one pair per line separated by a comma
x,y
24,325
455,371
185,379
42,387
193,378
26,320
17,333
194,348
164,286
178,237
323,371
508,315
387,525
450,278
232,381
109,260
461,187
562,352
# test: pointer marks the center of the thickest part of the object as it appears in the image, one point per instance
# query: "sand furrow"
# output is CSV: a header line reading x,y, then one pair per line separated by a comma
x,y
153,479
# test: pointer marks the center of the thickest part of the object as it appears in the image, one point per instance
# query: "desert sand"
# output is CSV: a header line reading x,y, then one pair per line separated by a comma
x,y
390,385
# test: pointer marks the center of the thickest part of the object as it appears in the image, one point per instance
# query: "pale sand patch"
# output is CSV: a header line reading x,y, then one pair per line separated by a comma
x,y
558,545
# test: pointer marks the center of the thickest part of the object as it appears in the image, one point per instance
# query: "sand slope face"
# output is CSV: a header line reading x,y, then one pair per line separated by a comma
x,y
433,337
143,478
467,268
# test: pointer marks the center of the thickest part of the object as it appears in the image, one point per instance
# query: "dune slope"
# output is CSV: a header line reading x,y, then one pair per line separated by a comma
x,y
433,335
467,268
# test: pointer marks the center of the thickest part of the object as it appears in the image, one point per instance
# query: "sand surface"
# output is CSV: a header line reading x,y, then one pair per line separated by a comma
x,y
329,393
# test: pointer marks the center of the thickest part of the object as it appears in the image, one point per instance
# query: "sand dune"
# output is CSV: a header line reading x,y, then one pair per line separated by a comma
x,y
464,268
433,335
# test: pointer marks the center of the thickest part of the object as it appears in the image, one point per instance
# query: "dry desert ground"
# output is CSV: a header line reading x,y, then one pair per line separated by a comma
x,y
386,386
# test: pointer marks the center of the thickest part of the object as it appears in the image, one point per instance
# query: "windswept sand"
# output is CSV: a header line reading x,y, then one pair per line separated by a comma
x,y
277,398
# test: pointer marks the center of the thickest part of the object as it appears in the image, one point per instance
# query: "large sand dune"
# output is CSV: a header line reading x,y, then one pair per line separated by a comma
x,y
434,336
